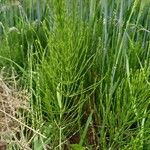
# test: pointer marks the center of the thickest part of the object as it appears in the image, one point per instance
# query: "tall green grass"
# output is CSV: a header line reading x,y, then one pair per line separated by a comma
x,y
86,66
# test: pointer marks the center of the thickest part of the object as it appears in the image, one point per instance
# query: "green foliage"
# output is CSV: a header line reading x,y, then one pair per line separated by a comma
x,y
77,147
86,66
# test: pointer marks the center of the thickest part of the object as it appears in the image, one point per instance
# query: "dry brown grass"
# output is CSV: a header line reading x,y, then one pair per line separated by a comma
x,y
13,101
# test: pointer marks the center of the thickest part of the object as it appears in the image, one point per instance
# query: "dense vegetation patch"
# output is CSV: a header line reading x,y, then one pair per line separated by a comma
x,y
86,67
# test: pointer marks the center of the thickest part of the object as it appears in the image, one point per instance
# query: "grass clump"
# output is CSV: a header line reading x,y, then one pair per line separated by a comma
x,y
85,65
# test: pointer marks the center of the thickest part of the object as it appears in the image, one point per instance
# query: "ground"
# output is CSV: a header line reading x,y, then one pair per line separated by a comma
x,y
12,100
